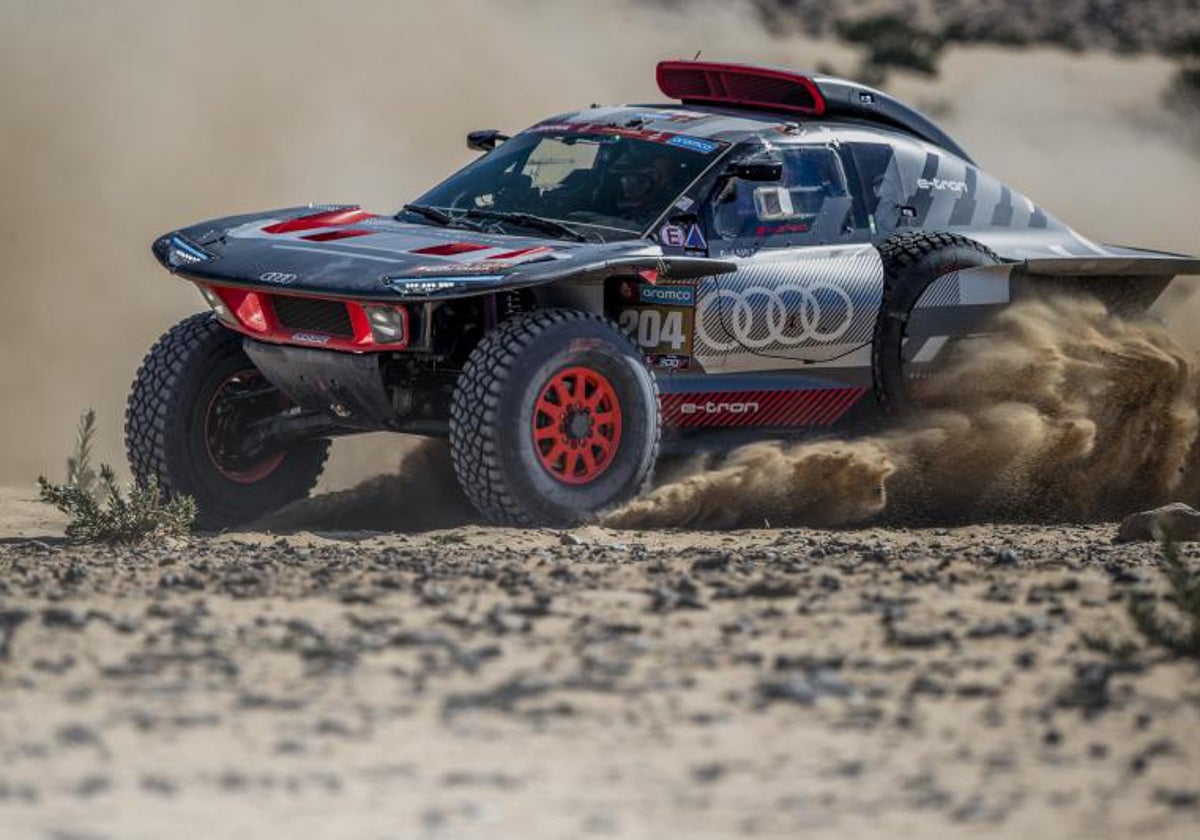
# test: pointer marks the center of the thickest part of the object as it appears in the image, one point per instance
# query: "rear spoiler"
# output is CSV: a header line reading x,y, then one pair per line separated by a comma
x,y
1124,262
1130,280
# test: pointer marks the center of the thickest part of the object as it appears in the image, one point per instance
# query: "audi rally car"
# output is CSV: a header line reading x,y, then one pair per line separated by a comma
x,y
768,254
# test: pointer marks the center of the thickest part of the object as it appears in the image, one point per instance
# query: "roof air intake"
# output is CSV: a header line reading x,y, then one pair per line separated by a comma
x,y
738,85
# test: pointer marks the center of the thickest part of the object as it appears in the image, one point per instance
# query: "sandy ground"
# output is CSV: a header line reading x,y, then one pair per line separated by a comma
x,y
481,682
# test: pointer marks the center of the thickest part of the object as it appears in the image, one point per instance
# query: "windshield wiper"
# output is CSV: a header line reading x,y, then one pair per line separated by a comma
x,y
431,213
529,220
439,216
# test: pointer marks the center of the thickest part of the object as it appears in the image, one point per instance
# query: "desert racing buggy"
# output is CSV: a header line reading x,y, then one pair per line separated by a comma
x,y
770,254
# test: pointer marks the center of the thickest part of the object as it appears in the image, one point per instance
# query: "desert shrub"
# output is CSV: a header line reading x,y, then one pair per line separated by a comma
x,y
100,510
1180,633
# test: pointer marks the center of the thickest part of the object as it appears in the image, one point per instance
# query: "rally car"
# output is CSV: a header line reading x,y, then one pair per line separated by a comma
x,y
770,253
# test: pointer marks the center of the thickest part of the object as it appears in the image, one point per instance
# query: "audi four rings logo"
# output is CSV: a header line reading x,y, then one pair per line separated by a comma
x,y
280,278
781,316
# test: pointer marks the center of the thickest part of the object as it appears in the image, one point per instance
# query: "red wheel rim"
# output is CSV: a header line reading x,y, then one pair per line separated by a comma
x,y
241,399
577,425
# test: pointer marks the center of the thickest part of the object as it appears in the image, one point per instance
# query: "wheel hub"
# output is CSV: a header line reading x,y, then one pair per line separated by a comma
x,y
242,399
577,425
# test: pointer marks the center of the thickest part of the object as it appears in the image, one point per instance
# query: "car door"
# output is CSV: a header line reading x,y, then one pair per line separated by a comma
x,y
808,283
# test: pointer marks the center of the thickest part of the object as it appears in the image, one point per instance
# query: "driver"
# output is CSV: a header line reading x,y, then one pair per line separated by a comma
x,y
641,183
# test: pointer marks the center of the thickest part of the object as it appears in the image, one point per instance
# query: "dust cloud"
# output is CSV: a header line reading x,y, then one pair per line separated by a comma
x,y
422,494
124,119
1066,413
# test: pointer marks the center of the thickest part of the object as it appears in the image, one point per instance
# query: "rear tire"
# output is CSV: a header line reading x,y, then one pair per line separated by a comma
x,y
193,395
911,262
554,418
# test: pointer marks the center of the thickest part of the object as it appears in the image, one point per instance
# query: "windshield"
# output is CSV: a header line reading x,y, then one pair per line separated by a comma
x,y
608,186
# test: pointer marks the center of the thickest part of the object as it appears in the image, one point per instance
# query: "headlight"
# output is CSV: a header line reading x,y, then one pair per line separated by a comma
x,y
218,306
389,324
181,252
430,286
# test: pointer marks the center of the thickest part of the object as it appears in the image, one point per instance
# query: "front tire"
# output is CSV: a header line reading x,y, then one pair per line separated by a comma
x,y
554,418
192,401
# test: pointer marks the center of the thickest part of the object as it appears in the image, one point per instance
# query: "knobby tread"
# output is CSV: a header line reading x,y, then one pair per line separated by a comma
x,y
154,413
899,252
474,407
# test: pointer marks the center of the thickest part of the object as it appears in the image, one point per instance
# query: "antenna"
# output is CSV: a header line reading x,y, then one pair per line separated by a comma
x,y
696,57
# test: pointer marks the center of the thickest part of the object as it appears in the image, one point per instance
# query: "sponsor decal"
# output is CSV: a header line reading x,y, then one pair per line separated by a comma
x,y
454,269
694,143
672,235
938,184
743,251
500,262
310,338
679,236
763,408
711,407
667,295
278,278
659,330
784,315
772,230
561,126
668,116
670,361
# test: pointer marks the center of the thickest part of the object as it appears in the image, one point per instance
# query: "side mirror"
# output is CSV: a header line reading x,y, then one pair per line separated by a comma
x,y
756,169
485,139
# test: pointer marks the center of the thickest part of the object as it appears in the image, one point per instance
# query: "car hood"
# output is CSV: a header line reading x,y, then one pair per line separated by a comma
x,y
345,251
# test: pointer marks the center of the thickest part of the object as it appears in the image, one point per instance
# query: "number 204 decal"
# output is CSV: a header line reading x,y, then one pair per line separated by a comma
x,y
658,329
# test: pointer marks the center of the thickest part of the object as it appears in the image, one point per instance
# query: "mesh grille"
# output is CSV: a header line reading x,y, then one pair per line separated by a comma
x,y
310,314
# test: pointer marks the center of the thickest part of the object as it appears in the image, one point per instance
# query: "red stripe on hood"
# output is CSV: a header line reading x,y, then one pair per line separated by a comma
x,y
450,249
329,218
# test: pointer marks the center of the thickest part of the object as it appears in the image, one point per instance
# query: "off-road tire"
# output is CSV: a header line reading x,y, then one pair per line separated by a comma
x,y
491,438
911,262
165,428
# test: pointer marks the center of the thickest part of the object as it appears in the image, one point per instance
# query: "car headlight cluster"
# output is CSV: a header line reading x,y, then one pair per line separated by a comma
x,y
218,306
181,252
389,324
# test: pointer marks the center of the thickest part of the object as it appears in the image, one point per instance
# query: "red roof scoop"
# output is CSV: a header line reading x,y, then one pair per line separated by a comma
x,y
740,85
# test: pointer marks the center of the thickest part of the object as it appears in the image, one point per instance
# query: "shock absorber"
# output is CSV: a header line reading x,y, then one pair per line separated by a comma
x,y
510,304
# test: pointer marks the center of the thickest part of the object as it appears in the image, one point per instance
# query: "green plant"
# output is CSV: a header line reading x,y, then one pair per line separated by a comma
x,y
1180,634
100,510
